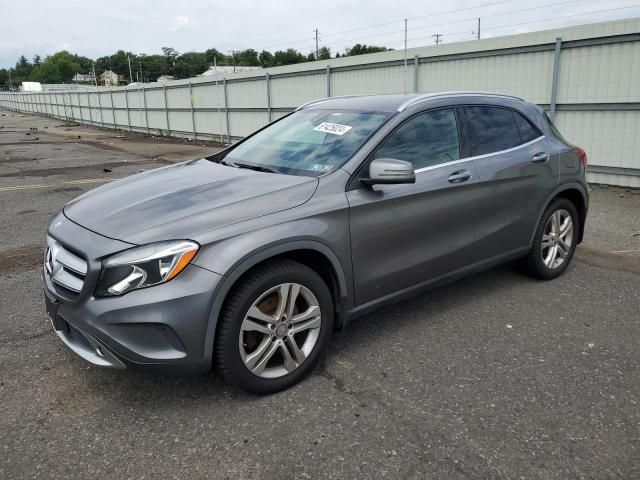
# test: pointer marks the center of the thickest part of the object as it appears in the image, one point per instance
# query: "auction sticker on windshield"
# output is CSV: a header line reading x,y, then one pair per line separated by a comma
x,y
333,128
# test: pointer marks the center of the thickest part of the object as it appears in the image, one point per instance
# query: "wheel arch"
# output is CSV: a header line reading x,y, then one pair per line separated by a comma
x,y
314,254
576,194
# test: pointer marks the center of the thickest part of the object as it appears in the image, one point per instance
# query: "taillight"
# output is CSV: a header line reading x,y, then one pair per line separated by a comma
x,y
582,155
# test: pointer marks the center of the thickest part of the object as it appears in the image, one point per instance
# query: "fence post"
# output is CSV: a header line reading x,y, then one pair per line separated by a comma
x,y
268,80
226,109
100,108
416,61
193,118
328,80
126,105
64,105
166,110
144,103
90,108
80,107
556,77
113,110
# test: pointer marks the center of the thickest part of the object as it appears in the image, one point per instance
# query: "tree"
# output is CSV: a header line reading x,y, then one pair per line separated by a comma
x,y
265,59
248,57
362,49
4,77
214,54
57,68
22,70
191,64
170,54
37,60
288,57
324,53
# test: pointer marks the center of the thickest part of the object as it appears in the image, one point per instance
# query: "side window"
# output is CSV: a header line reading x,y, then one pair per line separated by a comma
x,y
527,131
428,139
491,129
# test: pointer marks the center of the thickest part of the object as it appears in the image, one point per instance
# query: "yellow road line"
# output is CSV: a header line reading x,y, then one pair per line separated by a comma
x,y
17,188
89,180
22,187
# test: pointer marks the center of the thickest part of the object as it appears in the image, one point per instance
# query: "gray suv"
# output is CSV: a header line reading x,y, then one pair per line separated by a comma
x,y
247,260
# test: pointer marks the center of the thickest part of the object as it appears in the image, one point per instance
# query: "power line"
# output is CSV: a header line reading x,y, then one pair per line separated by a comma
x,y
458,10
536,21
422,27
369,27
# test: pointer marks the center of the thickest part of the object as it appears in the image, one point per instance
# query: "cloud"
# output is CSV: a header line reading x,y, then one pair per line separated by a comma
x,y
178,23
144,26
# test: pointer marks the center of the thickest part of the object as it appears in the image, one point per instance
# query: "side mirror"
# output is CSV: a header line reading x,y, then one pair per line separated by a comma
x,y
389,171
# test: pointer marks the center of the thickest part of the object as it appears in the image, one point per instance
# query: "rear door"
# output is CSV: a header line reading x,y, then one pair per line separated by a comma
x,y
403,235
517,172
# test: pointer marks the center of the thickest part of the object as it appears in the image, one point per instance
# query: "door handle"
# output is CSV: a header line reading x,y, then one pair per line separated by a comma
x,y
460,176
540,157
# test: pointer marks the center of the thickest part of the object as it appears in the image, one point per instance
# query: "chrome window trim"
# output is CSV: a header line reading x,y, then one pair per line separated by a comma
x,y
477,157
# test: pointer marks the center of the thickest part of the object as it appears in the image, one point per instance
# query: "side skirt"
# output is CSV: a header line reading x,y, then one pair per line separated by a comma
x,y
444,279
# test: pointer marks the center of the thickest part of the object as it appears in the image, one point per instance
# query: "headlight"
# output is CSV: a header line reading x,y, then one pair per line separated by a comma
x,y
144,266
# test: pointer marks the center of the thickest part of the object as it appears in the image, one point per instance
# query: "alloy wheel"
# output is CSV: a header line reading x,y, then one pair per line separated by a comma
x,y
280,330
557,239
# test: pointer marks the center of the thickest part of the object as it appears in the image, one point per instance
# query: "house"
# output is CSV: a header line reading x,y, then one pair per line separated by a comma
x,y
110,78
83,78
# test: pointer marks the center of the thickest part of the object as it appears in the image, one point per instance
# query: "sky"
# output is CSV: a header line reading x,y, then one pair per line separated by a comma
x,y
96,29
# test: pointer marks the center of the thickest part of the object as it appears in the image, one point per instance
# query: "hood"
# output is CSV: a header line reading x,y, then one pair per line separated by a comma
x,y
183,200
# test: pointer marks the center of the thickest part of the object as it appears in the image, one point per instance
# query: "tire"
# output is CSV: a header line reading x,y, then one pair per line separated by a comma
x,y
539,262
256,324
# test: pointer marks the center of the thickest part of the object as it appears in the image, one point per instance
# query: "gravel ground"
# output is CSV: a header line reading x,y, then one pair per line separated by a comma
x,y
495,376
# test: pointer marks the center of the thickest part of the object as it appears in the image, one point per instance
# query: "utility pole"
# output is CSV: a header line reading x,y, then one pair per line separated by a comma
x,y
317,51
437,36
130,74
478,28
93,69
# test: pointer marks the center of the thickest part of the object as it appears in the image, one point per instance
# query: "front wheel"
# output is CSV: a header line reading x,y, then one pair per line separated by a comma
x,y
555,241
275,325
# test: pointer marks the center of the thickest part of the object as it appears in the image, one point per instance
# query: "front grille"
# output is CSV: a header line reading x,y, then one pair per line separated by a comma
x,y
65,269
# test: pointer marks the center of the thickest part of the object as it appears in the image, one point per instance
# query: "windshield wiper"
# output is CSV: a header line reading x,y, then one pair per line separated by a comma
x,y
258,168
227,163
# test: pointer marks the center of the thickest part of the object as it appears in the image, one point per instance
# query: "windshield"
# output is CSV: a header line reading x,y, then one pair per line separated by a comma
x,y
308,142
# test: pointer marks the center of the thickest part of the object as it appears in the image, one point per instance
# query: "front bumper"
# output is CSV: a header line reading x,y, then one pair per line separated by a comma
x,y
161,329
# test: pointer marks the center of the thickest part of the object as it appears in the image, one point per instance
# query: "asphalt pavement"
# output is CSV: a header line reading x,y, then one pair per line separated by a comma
x,y
495,376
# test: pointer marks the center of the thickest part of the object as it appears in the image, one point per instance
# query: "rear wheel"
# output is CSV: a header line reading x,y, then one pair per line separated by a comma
x,y
274,327
555,241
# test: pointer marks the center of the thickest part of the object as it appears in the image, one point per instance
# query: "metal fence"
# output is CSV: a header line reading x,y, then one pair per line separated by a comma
x,y
588,77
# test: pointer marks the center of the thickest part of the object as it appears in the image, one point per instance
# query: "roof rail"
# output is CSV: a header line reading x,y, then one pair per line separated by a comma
x,y
323,100
429,96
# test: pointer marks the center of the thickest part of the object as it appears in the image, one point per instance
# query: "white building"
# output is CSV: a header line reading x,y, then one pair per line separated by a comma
x,y
226,69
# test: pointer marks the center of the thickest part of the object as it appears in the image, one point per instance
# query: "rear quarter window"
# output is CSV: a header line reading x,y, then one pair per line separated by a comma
x,y
527,131
493,129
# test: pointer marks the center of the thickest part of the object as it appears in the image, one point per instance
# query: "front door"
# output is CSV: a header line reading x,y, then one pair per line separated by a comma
x,y
404,235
